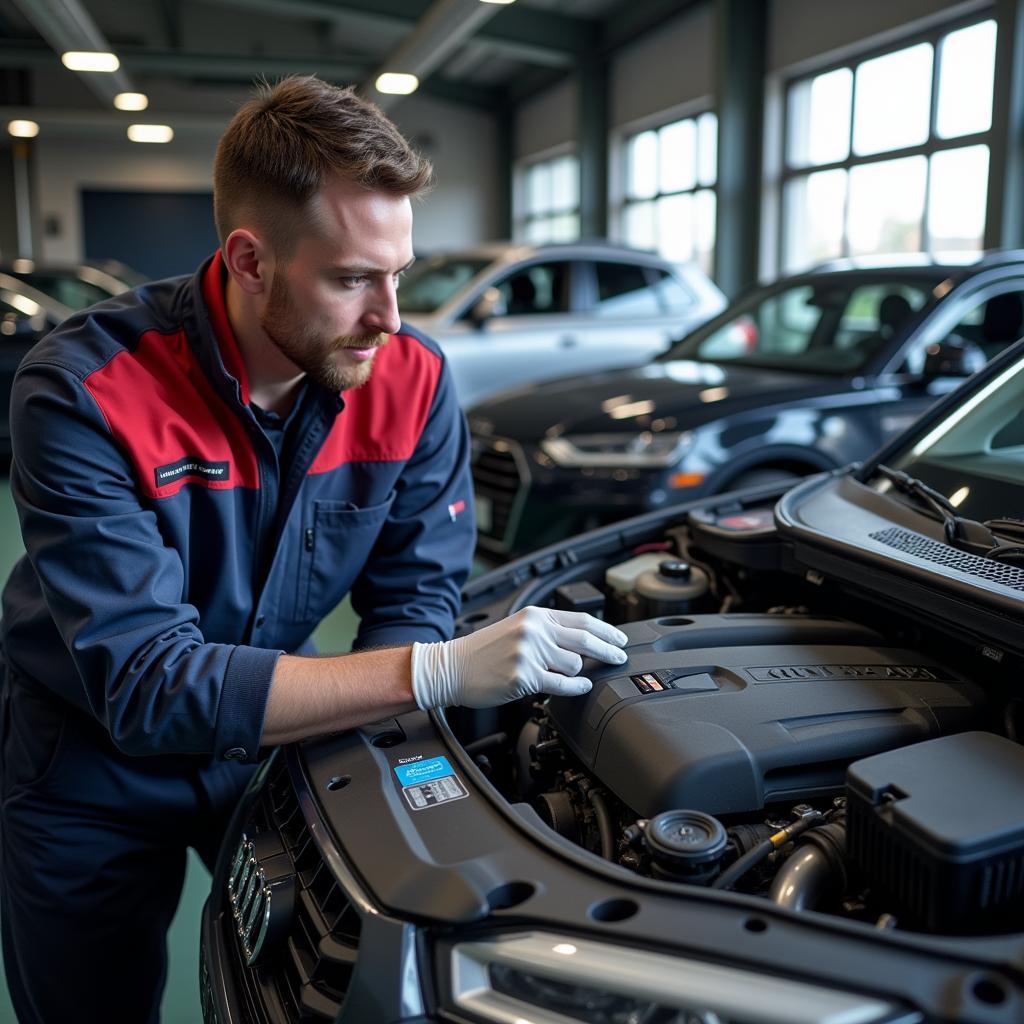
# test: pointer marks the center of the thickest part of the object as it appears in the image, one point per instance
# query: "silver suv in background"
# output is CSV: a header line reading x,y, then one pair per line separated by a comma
x,y
508,315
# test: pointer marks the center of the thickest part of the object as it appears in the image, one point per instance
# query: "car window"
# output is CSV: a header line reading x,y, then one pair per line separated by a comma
x,y
428,285
537,289
990,319
623,290
831,326
68,290
672,295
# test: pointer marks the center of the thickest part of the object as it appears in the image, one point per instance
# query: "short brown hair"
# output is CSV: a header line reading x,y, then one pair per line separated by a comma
x,y
282,145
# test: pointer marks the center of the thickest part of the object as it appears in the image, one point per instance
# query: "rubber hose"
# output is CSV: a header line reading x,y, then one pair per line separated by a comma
x,y
604,823
804,880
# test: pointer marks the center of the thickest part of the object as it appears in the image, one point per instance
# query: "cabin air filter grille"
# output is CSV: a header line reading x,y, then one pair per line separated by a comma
x,y
919,546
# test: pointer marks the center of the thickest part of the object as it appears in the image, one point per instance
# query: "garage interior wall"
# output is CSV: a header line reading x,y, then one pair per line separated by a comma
x,y
547,121
798,32
462,143
461,210
663,69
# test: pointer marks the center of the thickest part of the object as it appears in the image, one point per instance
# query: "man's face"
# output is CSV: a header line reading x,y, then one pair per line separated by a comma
x,y
333,303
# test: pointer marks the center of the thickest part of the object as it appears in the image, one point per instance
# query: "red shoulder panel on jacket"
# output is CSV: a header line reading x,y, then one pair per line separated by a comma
x,y
382,421
164,412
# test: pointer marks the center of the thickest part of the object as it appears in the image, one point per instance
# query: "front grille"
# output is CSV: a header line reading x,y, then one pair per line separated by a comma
x,y
500,478
930,550
307,979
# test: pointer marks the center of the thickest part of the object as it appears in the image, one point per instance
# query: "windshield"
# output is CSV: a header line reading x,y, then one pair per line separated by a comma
x,y
830,324
429,285
974,457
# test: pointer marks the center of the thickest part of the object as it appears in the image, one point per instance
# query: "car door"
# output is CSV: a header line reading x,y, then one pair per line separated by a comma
x,y
988,314
529,337
632,313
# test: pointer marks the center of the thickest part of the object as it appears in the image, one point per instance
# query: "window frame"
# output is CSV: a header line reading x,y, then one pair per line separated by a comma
x,y
934,144
521,217
620,197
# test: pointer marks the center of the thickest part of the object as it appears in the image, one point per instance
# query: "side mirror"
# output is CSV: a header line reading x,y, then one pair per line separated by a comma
x,y
489,305
952,357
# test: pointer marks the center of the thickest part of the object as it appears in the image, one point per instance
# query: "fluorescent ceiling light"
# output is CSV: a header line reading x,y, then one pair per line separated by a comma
x,y
131,101
150,132
497,1
23,129
396,83
89,60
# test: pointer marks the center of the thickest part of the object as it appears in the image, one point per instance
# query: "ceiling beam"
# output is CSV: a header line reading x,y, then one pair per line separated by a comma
x,y
629,20
170,12
211,66
67,25
445,26
539,37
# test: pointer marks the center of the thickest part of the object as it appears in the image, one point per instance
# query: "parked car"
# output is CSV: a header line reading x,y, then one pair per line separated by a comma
x,y
806,374
26,314
798,801
513,314
74,285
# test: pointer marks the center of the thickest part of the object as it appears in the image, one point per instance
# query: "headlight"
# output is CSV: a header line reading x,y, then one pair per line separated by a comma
x,y
549,979
644,450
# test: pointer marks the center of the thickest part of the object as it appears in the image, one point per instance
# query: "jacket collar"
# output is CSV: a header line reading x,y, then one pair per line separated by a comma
x,y
216,307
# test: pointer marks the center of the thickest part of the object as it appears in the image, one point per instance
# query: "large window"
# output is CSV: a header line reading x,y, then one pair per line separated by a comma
x,y
548,201
669,200
891,153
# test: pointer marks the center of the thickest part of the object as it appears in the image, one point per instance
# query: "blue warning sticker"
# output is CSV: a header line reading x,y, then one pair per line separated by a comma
x,y
424,771
429,782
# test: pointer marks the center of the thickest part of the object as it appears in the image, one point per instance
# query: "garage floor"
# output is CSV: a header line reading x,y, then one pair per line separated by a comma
x,y
181,998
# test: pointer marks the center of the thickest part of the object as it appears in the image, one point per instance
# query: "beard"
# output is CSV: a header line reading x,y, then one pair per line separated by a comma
x,y
316,356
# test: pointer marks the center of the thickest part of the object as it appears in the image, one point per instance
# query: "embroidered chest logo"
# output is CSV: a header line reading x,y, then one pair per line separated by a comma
x,y
191,467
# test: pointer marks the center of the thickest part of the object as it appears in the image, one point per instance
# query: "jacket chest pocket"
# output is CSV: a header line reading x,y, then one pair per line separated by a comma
x,y
335,547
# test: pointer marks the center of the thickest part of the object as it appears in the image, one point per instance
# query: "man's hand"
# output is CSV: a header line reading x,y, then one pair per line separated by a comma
x,y
536,650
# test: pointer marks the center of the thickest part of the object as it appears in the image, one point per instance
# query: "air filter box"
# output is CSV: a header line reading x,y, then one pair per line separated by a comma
x,y
938,828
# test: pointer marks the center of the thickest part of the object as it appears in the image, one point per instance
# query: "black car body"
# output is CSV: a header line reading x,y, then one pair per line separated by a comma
x,y
800,800
804,375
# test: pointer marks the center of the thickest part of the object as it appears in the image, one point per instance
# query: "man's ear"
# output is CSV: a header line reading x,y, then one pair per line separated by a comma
x,y
249,261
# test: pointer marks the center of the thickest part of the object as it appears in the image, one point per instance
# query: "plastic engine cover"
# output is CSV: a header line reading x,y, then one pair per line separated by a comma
x,y
727,714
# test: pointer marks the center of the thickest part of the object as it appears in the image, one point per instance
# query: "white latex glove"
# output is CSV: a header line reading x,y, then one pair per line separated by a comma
x,y
536,650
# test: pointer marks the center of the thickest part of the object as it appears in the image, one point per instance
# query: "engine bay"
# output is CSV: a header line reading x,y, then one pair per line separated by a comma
x,y
776,734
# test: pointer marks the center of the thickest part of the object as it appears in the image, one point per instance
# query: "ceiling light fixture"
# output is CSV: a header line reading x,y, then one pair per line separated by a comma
x,y
497,1
131,101
150,132
23,129
396,83
90,60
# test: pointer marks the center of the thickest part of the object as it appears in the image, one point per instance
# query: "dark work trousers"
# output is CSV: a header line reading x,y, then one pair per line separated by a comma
x,y
93,845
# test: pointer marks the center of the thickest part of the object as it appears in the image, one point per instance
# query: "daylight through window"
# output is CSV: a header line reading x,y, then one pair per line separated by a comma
x,y
890,153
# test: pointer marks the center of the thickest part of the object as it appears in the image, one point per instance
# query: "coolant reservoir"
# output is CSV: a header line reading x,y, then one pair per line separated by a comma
x,y
622,577
672,588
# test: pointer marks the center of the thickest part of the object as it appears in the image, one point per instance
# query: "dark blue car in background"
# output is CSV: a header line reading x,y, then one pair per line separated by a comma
x,y
807,374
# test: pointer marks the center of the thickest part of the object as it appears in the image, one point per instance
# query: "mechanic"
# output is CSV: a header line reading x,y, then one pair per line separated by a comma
x,y
203,468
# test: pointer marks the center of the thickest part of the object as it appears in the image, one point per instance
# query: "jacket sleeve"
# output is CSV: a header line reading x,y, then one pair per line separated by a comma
x,y
411,585
115,590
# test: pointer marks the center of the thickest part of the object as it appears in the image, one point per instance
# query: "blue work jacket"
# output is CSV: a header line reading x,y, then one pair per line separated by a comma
x,y
159,587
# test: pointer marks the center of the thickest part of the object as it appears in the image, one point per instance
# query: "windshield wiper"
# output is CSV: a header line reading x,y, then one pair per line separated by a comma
x,y
960,532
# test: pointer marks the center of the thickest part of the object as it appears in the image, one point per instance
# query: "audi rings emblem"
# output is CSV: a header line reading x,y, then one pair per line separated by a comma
x,y
261,894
